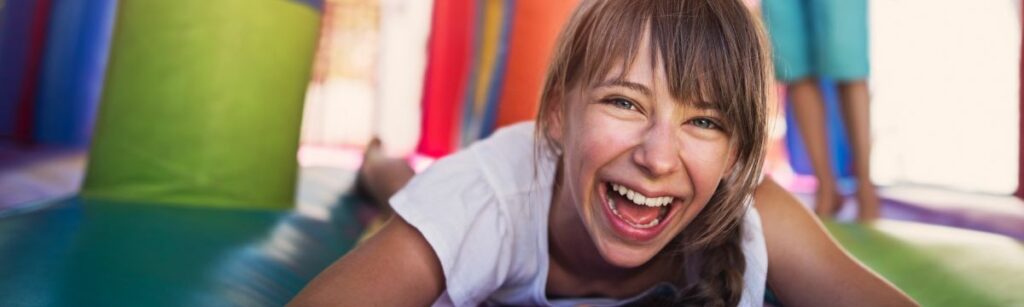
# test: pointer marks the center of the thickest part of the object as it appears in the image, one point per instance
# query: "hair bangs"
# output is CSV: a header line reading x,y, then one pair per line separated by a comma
x,y
703,63
607,42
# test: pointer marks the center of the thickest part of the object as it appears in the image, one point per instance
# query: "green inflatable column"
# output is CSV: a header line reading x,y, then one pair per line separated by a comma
x,y
203,103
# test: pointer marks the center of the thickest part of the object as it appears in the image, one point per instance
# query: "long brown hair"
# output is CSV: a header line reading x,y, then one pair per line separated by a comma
x,y
711,50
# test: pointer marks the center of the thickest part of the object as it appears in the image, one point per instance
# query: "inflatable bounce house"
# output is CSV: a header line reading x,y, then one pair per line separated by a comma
x,y
187,117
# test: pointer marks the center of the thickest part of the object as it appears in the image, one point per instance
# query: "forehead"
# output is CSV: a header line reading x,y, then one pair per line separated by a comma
x,y
643,69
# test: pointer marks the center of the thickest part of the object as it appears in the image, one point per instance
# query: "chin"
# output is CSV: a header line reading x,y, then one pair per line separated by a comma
x,y
627,257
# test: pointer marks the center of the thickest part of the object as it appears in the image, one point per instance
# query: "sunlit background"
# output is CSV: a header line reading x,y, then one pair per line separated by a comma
x,y
944,88
944,85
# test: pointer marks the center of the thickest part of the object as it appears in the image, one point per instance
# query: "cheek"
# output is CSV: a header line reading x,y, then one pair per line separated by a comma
x,y
593,141
706,162
602,140
607,136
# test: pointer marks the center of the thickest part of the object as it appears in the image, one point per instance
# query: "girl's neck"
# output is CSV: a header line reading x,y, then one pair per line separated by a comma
x,y
577,268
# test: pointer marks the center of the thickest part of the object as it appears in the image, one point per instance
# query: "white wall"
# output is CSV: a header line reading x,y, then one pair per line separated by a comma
x,y
945,78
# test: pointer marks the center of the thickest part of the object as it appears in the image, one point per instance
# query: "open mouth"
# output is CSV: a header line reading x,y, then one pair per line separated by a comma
x,y
635,215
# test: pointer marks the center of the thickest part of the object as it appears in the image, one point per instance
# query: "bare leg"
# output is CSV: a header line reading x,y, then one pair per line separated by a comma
x,y
855,100
382,176
809,108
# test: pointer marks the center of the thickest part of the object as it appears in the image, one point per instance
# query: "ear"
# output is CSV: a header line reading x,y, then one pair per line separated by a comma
x,y
732,165
555,127
732,171
555,120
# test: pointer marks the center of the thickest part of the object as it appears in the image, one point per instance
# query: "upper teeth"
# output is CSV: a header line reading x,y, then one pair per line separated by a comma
x,y
641,199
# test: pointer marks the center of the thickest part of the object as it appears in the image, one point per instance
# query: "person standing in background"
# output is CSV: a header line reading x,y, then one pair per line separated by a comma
x,y
814,39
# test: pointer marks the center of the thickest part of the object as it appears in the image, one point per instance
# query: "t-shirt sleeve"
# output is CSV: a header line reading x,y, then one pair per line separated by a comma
x,y
455,208
756,255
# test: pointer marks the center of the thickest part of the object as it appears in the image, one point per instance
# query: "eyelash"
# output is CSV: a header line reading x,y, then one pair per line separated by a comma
x,y
615,102
710,124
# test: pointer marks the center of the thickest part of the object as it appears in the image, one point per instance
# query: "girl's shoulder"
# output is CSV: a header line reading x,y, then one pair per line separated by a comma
x,y
483,210
509,157
504,165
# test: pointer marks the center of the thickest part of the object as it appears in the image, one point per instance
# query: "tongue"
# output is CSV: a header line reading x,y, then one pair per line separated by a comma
x,y
635,214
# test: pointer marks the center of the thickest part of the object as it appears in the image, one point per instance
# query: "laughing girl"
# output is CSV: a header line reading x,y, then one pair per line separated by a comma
x,y
639,183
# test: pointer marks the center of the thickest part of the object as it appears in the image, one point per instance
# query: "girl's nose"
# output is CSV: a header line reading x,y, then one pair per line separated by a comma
x,y
658,155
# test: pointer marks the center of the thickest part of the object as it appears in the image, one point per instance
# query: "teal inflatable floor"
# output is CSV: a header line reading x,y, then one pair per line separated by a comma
x,y
76,252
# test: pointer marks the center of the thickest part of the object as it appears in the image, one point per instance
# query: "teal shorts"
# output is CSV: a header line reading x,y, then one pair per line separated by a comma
x,y
823,38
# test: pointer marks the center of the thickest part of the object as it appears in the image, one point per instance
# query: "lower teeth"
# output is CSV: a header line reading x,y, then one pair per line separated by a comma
x,y
611,203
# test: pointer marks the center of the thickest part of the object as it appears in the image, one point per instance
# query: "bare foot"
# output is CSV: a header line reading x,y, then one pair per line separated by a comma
x,y
380,176
373,154
868,204
367,175
827,201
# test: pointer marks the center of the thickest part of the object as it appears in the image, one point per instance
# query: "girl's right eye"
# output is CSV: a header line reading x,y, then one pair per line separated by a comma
x,y
621,103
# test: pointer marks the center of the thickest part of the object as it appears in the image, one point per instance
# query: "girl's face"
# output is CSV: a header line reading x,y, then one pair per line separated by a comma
x,y
639,164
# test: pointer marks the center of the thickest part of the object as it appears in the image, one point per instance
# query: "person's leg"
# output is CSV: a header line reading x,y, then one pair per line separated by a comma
x,y
843,53
787,22
381,176
856,113
809,110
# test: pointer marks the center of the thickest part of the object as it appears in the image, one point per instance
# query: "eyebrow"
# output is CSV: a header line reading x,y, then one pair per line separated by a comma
x,y
700,104
627,84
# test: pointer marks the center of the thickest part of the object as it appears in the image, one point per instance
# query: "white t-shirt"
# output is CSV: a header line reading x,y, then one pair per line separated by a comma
x,y
484,211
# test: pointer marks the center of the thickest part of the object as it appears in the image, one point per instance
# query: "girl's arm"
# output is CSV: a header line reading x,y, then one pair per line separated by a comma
x,y
806,267
395,267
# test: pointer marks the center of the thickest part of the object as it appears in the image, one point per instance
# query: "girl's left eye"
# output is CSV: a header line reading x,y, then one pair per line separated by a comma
x,y
704,123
